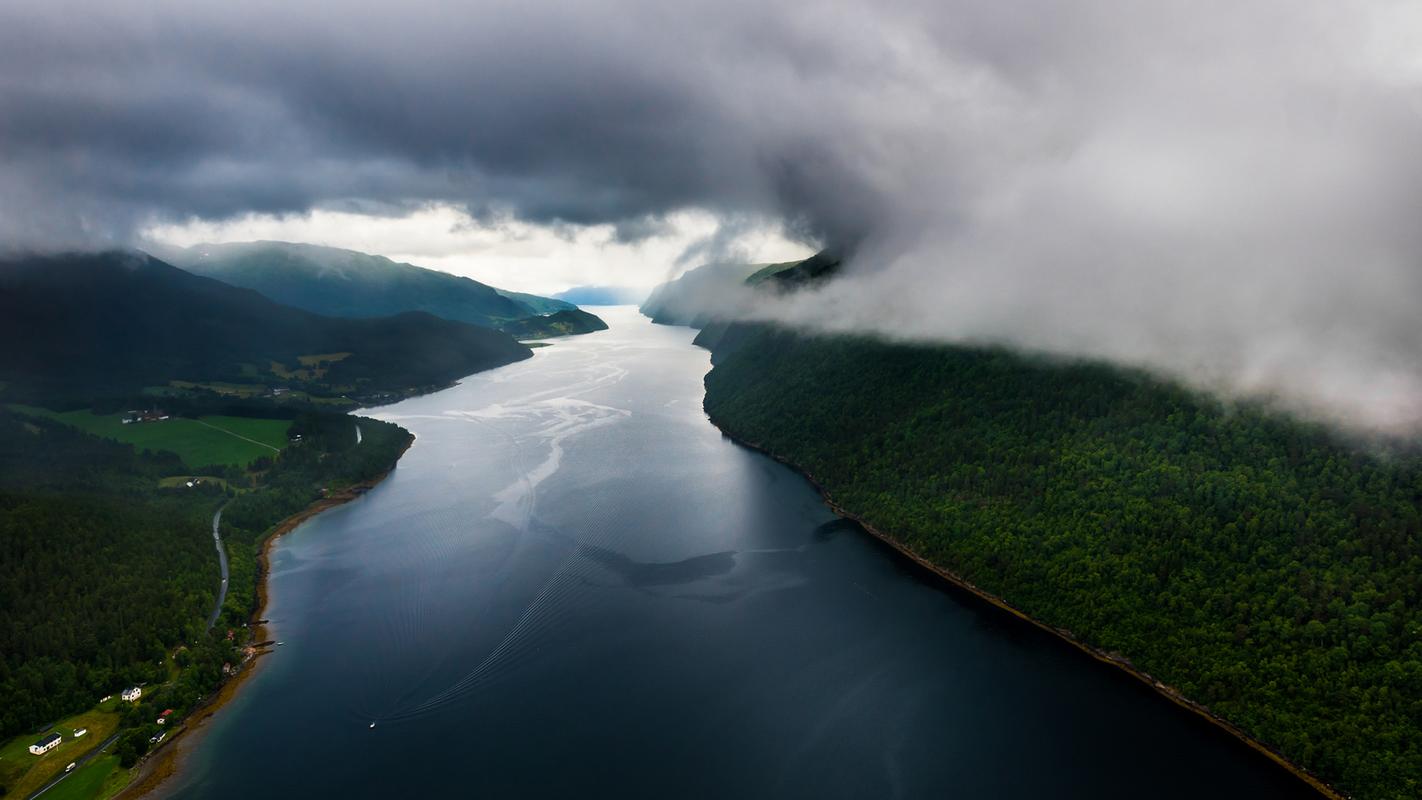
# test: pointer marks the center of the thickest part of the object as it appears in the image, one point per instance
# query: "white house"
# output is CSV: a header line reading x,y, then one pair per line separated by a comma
x,y
130,694
46,744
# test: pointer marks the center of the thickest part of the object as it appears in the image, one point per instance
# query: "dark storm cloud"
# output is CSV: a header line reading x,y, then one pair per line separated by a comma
x,y
577,114
115,115
1224,191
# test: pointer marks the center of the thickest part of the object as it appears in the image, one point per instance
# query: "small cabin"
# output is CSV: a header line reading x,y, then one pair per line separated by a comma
x,y
46,744
162,718
130,694
80,732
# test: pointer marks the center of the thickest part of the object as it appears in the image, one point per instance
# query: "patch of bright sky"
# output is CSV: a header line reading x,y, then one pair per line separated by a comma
x,y
509,254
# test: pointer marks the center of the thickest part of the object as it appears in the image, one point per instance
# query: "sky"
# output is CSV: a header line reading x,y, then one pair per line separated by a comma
x,y
505,252
1223,192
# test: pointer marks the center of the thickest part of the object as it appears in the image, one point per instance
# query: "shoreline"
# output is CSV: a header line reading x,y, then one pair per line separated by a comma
x,y
959,583
156,769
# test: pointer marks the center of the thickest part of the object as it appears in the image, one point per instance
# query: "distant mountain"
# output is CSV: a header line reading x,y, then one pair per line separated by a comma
x,y
603,295
717,291
794,274
699,294
81,326
537,304
346,283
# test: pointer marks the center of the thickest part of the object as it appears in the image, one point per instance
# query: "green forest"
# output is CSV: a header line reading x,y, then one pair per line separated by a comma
x,y
1263,566
107,578
118,324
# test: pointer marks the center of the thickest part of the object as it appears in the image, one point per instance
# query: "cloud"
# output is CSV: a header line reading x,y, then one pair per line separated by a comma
x,y
1224,191
504,252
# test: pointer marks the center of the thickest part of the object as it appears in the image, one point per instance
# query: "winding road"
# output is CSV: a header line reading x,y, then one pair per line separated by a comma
x,y
212,620
221,560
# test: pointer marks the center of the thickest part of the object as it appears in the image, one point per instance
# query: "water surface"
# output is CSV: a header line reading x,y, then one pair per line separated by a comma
x,y
573,585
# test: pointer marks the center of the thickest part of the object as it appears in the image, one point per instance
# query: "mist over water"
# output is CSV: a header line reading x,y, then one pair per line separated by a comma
x,y
1226,192
573,585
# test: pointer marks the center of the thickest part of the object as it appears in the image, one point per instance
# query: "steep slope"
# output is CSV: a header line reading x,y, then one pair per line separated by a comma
x,y
87,325
1260,566
790,275
537,304
346,283
1256,565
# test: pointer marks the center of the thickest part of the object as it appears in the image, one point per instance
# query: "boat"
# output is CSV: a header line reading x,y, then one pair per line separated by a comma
x,y
372,724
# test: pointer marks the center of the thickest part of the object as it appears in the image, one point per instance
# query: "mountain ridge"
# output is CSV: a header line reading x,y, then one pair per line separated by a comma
x,y
117,322
339,282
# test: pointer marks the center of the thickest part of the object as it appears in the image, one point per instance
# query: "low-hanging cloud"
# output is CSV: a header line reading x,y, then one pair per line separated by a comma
x,y
1224,191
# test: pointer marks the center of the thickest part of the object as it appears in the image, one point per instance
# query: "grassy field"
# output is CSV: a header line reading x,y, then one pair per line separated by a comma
x,y
208,440
96,780
22,772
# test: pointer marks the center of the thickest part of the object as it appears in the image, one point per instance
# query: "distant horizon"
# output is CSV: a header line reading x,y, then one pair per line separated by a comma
x,y
157,251
515,256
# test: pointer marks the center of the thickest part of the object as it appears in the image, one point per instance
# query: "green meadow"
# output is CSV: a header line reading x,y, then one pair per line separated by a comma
x,y
22,772
235,441
99,778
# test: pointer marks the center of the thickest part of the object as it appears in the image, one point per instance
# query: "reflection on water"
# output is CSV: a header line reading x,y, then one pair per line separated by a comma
x,y
574,585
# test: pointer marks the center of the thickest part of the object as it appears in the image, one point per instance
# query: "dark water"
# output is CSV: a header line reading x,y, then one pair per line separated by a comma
x,y
574,586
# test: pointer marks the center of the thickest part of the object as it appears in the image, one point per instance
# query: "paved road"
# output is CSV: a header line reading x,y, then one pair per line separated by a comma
x,y
78,762
212,620
222,560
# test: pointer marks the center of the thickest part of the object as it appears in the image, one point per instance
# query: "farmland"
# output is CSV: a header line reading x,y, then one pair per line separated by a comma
x,y
205,441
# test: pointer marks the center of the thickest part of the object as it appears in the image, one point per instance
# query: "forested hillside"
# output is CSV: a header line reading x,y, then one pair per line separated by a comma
x,y
104,572
559,323
347,283
86,326
101,571
1261,565
537,304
